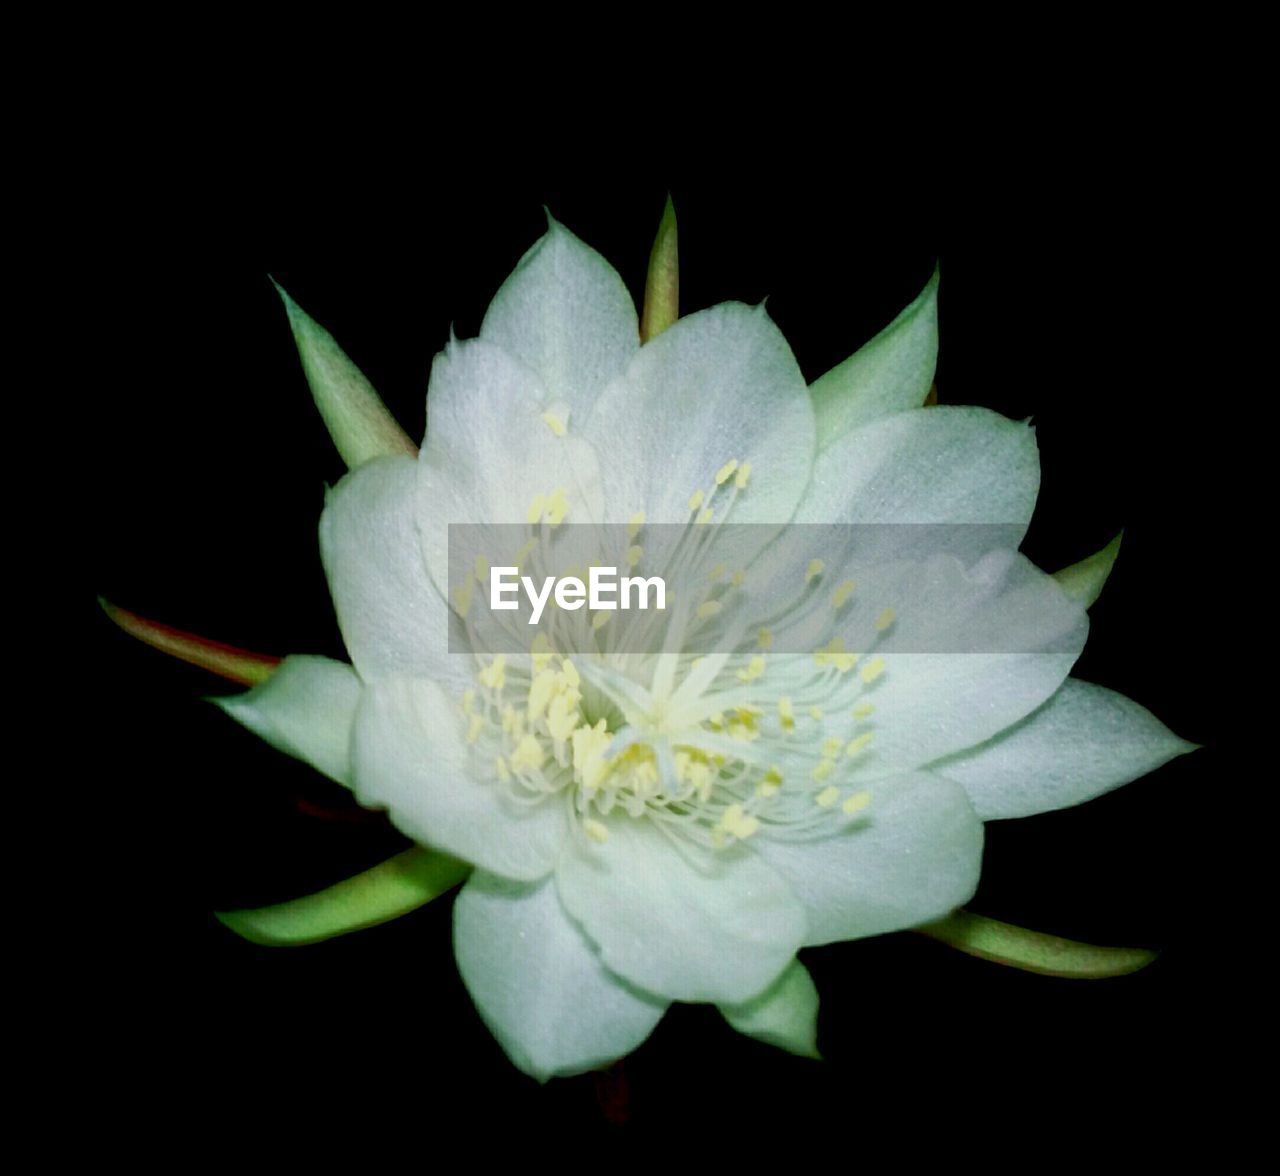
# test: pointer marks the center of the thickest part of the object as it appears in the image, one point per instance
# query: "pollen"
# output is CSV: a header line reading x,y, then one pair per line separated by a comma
x,y
815,713
755,667
814,570
494,675
786,714
541,691
822,771
696,499
885,619
529,755
557,507
833,653
634,523
858,743
744,472
704,516
828,796
863,710
726,471
831,746
855,803
738,578
872,670
554,423
462,598
598,831
841,594
738,823
633,555
536,507
765,639
708,609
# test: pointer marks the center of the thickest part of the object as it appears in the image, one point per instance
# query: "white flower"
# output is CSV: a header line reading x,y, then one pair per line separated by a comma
x,y
649,830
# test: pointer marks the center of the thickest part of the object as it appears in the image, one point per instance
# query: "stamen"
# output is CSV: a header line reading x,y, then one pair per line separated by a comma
x,y
856,803
872,670
554,423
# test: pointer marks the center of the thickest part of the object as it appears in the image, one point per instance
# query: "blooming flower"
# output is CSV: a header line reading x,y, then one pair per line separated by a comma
x,y
674,824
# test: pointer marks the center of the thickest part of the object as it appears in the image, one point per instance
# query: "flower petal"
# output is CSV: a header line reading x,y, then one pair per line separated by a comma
x,y
971,650
911,857
305,709
409,756
1083,742
566,314
930,465
538,983
492,447
785,1014
716,928
393,621
716,386
888,374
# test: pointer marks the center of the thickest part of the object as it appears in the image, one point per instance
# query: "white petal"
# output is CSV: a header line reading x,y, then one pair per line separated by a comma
x,y
785,1014
392,619
913,855
971,651
305,709
409,756
888,374
719,385
538,983
489,452
930,465
716,928
567,315
1084,741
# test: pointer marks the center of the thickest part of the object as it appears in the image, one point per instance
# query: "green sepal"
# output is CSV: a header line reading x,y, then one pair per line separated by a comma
x,y
662,283
395,887
1083,581
361,426
893,372
1034,951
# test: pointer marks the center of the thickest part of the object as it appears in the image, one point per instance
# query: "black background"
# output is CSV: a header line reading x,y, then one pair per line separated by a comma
x,y
1070,294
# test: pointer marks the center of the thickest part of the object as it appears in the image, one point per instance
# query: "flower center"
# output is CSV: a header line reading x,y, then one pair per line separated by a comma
x,y
714,748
